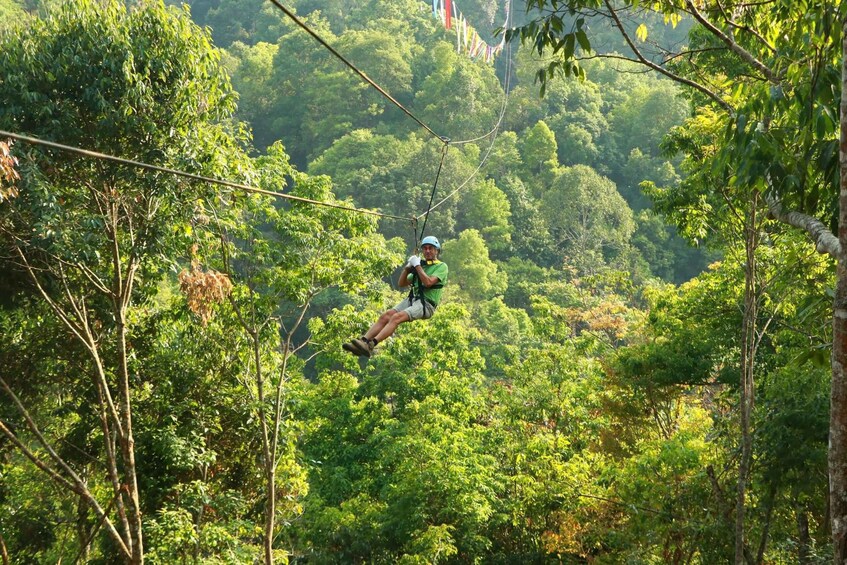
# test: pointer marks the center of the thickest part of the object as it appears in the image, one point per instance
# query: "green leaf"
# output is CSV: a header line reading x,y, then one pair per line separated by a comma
x,y
570,42
582,38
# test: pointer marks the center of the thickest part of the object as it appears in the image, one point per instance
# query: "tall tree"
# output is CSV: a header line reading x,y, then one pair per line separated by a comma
x,y
538,149
770,72
473,271
92,237
281,260
588,218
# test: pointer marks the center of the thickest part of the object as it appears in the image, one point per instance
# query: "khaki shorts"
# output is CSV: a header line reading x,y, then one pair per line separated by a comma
x,y
417,310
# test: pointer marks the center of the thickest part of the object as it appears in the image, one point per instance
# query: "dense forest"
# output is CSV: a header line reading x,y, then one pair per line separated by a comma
x,y
638,357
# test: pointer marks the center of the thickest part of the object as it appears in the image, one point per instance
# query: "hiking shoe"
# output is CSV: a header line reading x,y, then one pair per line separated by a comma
x,y
349,347
364,345
359,346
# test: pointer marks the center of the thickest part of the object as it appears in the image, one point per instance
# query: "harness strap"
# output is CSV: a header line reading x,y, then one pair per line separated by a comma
x,y
413,296
418,284
424,299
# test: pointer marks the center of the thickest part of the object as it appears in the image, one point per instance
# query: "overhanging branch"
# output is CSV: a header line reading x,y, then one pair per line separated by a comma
x,y
658,68
745,55
825,241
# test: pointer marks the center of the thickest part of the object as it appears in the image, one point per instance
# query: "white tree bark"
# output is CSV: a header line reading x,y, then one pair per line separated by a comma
x,y
825,241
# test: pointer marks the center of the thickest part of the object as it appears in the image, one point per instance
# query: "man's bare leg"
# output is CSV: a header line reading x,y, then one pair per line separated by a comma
x,y
388,327
381,322
381,330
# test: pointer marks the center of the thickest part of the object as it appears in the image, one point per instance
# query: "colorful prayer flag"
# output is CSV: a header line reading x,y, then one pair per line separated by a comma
x,y
467,38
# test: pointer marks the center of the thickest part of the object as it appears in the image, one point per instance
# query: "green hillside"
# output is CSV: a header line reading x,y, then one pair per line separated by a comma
x,y
633,330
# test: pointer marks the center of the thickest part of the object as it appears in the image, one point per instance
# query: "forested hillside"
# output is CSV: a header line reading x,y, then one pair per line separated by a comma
x,y
631,360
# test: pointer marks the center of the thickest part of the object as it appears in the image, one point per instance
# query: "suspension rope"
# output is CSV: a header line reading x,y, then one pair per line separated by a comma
x,y
176,172
481,137
496,127
355,69
492,133
434,186
446,142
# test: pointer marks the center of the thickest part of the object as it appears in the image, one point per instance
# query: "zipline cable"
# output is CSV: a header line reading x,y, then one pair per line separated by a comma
x,y
355,69
502,108
382,91
176,172
481,137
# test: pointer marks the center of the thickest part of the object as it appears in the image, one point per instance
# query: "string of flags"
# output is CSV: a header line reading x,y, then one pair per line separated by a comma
x,y
467,39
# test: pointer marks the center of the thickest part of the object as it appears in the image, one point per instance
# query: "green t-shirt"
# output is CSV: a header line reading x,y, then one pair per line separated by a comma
x,y
437,269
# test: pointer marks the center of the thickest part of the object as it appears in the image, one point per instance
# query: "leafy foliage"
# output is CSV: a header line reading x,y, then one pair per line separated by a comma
x,y
562,404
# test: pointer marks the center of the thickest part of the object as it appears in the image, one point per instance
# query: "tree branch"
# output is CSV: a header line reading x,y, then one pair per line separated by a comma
x,y
81,332
745,55
825,241
93,278
75,484
62,315
731,22
282,377
644,61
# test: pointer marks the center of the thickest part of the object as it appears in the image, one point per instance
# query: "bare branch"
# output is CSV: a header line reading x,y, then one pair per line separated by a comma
x,y
644,61
82,333
3,551
111,454
297,348
75,484
99,524
80,313
745,55
731,22
60,313
50,471
93,278
287,352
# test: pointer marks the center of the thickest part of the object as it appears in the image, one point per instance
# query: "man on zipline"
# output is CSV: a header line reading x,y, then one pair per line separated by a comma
x,y
426,276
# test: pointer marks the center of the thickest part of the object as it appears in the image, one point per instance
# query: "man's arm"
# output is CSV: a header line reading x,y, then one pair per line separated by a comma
x,y
403,281
426,280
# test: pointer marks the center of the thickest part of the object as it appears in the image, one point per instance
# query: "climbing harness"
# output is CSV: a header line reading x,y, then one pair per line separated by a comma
x,y
417,284
416,292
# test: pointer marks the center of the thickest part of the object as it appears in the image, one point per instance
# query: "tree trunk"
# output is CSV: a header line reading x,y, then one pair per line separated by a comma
x,y
269,462
121,295
748,354
838,397
804,541
763,542
82,530
270,514
128,447
252,329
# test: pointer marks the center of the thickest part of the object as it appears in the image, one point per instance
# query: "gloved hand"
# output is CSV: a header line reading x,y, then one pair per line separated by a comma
x,y
409,262
414,261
